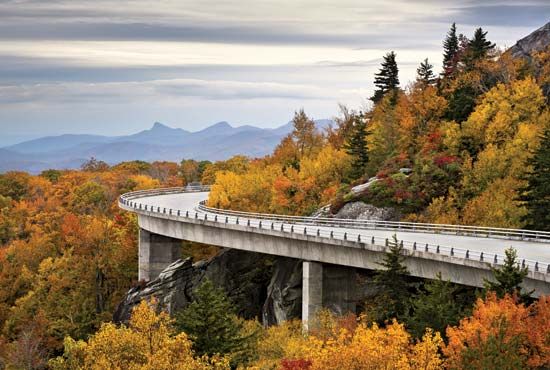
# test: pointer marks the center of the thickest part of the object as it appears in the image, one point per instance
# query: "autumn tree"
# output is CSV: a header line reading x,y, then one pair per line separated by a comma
x,y
536,194
210,322
356,146
94,165
387,79
425,74
500,334
450,52
148,342
305,134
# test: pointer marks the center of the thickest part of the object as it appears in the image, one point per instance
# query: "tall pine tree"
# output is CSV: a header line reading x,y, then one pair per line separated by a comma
x,y
450,52
387,79
394,297
356,146
425,74
536,194
479,47
508,278
211,323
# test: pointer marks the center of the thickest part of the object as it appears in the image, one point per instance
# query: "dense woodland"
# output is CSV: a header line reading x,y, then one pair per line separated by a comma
x,y
476,138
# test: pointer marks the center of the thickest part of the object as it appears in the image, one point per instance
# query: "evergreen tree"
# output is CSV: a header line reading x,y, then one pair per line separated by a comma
x,y
392,279
479,47
387,79
536,194
356,146
425,74
210,322
434,308
509,277
450,52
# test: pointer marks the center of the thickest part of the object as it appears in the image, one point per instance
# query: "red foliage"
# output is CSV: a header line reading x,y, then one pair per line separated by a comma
x,y
444,160
299,364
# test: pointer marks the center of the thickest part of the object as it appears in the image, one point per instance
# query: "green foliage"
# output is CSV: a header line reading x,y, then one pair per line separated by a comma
x,y
356,146
536,194
479,47
211,323
394,285
387,79
89,197
450,52
435,307
14,185
509,277
425,74
52,175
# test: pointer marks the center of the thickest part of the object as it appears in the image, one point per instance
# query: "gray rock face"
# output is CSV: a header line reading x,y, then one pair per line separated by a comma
x,y
243,275
284,293
364,211
534,42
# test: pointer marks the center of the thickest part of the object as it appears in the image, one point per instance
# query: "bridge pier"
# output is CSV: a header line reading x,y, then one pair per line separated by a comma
x,y
326,286
312,291
156,252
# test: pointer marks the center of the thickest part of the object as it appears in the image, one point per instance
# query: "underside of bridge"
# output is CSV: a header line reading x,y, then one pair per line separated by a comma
x,y
323,285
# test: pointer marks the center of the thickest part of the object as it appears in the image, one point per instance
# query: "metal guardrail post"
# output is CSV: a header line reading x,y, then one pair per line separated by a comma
x,y
495,261
372,240
305,230
291,228
452,251
536,266
467,253
437,249
345,236
481,256
359,238
387,242
331,234
426,248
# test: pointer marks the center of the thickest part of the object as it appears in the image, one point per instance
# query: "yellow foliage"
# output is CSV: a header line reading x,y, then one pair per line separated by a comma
x,y
146,344
362,347
496,206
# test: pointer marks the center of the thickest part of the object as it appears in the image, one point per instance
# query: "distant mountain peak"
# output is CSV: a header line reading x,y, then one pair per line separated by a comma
x,y
160,126
222,124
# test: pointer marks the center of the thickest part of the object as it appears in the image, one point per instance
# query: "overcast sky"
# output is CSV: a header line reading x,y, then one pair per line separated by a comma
x,y
115,67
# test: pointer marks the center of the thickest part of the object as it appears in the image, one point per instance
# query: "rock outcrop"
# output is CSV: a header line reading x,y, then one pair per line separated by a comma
x,y
532,43
243,275
284,293
364,211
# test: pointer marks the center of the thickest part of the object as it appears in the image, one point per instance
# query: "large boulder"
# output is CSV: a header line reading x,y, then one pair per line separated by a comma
x,y
364,211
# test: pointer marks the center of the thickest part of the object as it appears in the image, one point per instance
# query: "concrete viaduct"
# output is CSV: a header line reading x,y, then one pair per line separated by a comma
x,y
462,254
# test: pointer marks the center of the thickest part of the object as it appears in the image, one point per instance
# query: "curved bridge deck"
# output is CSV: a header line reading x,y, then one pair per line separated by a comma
x,y
462,254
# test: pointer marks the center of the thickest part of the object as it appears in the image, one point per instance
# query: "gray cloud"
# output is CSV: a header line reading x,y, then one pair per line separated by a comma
x,y
317,54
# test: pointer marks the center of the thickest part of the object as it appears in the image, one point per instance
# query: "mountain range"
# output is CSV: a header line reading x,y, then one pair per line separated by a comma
x,y
159,143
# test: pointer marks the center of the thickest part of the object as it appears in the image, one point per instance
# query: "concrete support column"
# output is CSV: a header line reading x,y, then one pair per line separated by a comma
x,y
339,289
156,252
312,291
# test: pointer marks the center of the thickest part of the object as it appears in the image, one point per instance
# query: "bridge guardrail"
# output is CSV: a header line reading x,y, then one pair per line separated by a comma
x,y
307,226
476,231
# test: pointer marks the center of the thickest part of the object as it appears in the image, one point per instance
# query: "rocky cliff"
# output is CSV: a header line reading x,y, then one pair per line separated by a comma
x,y
532,43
